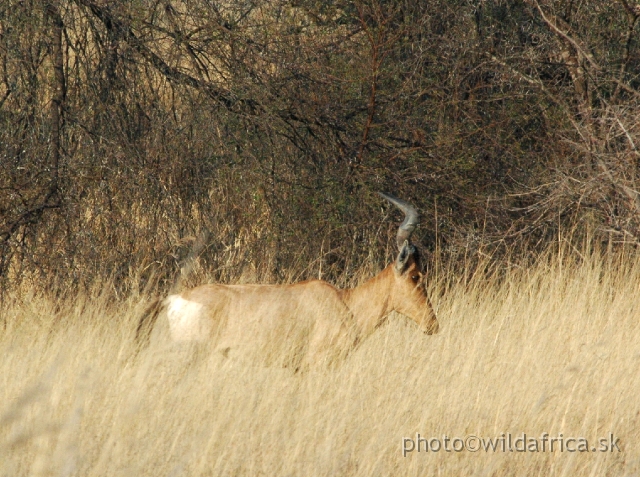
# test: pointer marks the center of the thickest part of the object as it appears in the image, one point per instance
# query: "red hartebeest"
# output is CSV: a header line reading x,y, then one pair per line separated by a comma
x,y
304,324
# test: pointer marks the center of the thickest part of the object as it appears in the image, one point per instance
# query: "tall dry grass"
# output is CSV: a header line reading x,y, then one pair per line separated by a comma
x,y
554,348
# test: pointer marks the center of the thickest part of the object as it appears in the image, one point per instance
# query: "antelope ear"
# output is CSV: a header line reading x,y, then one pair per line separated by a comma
x,y
403,257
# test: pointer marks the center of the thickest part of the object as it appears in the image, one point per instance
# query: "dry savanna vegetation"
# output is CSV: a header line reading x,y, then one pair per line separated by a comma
x,y
553,348
151,146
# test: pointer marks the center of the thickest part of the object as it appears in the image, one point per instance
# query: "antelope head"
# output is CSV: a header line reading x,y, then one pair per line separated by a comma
x,y
408,294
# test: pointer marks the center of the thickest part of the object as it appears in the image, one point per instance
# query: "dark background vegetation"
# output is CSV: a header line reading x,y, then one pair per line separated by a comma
x,y
260,130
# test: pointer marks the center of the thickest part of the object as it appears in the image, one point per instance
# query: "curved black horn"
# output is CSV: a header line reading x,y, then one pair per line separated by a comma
x,y
410,218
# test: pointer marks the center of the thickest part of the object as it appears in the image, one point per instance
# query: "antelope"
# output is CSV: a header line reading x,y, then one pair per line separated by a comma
x,y
306,324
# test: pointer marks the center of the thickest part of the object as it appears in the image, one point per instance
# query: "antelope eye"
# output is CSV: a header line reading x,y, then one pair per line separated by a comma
x,y
415,278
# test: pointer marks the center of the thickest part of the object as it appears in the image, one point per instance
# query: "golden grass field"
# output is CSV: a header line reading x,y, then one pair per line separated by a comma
x,y
555,349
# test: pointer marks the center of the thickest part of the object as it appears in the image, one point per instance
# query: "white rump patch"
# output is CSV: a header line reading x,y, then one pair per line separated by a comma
x,y
187,321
